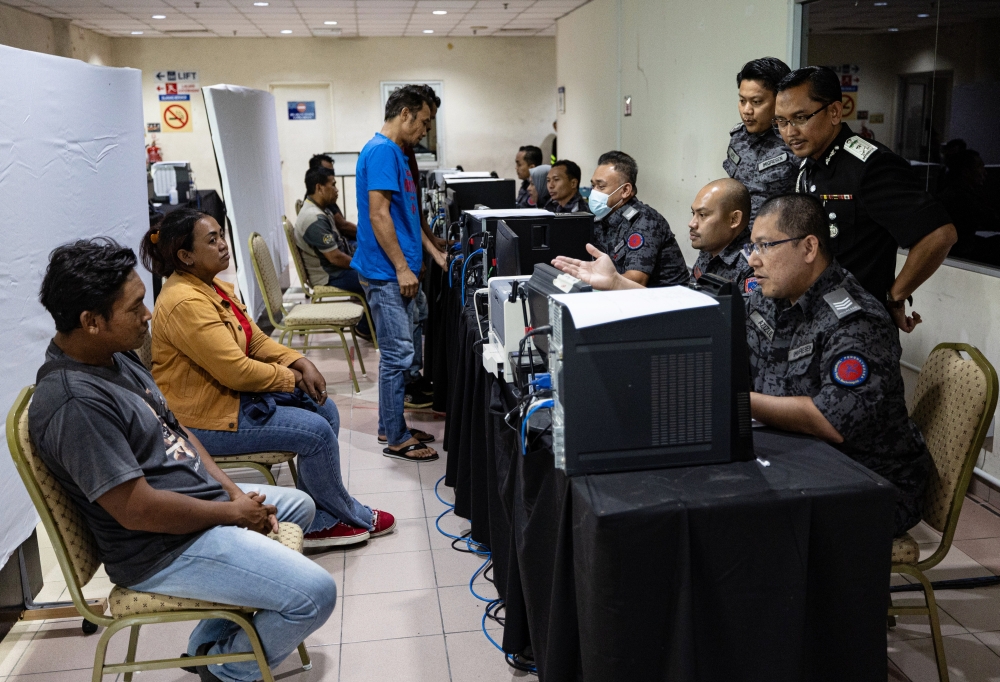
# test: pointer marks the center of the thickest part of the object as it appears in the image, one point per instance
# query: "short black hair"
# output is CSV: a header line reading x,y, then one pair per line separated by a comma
x,y
317,161
572,170
409,97
824,83
799,215
623,164
430,96
85,275
167,236
532,155
768,71
317,176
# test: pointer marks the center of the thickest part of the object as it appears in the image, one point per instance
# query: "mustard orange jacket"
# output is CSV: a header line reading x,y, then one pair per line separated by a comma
x,y
199,361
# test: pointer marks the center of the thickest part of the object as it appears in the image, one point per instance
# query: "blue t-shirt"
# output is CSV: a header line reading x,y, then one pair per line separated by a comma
x,y
383,166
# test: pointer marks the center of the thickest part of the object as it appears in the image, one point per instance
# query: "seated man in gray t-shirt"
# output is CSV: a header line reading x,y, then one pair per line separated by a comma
x,y
165,517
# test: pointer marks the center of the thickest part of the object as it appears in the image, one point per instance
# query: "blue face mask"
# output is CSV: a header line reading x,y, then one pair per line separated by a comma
x,y
598,203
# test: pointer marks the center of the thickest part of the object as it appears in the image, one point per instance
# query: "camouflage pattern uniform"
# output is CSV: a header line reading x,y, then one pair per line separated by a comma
x,y
763,163
523,198
638,238
838,345
575,205
729,264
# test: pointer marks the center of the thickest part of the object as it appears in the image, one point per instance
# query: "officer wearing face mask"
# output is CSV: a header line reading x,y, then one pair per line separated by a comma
x,y
635,236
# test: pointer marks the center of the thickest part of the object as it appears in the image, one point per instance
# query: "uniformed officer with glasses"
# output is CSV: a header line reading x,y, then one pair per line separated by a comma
x,y
872,199
824,353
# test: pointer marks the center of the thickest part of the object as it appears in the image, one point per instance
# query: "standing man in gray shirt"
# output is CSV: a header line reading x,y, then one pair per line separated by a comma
x,y
757,156
165,517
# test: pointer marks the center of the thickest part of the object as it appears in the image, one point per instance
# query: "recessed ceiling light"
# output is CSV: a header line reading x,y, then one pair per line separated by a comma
x,y
159,16
330,23
137,33
922,16
881,4
439,12
427,30
261,4
287,30
893,30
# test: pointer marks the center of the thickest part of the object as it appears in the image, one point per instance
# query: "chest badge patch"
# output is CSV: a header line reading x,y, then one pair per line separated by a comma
x,y
733,156
635,241
800,352
750,285
696,272
773,161
850,370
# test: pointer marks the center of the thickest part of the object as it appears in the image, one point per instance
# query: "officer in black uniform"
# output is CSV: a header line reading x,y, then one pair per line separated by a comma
x,y
873,201
527,158
825,355
563,182
637,238
757,156
719,227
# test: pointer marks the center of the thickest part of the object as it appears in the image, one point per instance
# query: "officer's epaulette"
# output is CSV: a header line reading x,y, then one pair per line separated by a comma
x,y
629,213
859,147
842,303
736,128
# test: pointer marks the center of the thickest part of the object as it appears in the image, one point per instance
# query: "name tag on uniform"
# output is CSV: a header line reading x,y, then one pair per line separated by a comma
x,y
619,246
773,161
734,157
762,324
800,352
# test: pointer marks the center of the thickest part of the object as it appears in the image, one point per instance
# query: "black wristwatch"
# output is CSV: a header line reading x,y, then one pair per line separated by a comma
x,y
893,304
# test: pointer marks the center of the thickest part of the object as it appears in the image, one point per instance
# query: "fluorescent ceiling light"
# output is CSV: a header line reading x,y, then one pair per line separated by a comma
x,y
881,4
287,30
439,12
137,33
159,16
427,30
893,30
922,16
330,23
260,4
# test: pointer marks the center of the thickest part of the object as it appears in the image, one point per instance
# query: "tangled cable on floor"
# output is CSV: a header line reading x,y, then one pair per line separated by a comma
x,y
493,606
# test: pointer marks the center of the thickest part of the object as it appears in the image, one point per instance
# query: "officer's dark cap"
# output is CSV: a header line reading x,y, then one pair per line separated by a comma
x,y
768,71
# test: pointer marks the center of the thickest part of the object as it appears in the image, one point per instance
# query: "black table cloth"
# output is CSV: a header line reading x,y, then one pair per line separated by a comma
x,y
727,572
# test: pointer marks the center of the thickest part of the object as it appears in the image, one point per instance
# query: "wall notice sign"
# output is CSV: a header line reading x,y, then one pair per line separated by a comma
x,y
152,127
849,84
176,82
302,111
175,113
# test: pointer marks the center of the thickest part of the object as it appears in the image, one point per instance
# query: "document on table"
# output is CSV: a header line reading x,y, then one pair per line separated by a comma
x,y
509,212
601,307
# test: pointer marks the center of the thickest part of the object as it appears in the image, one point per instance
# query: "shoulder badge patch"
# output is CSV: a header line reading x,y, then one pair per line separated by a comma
x,y
762,324
750,285
733,156
327,238
773,161
630,212
736,128
842,303
859,147
850,370
635,241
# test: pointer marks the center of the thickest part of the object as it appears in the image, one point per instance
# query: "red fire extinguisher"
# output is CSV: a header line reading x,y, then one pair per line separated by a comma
x,y
153,154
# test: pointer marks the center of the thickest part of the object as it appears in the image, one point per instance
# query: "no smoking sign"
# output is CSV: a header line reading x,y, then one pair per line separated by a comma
x,y
176,116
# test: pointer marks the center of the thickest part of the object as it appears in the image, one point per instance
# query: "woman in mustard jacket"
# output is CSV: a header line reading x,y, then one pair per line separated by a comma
x,y
237,389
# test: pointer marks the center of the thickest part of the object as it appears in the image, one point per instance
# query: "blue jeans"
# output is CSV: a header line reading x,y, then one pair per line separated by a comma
x,y
391,313
418,315
313,437
348,280
237,566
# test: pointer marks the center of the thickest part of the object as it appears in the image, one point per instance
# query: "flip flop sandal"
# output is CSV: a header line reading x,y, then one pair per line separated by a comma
x,y
404,453
422,436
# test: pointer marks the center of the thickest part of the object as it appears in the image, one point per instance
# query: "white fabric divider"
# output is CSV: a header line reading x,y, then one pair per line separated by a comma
x,y
245,137
72,165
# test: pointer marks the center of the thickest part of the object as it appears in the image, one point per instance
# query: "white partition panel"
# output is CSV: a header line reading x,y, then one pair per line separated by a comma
x,y
245,137
71,166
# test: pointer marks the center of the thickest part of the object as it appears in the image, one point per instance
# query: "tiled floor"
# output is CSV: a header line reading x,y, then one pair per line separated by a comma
x,y
405,612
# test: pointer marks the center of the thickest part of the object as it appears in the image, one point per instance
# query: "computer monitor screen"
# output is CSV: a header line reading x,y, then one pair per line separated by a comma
x,y
486,192
508,258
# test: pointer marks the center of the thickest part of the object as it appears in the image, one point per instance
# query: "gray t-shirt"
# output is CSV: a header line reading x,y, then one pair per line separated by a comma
x,y
95,435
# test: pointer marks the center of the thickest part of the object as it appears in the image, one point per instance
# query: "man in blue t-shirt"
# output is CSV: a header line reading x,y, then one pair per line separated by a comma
x,y
389,256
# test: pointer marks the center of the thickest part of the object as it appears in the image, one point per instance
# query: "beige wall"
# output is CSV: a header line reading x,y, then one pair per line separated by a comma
x,y
678,61
28,31
499,93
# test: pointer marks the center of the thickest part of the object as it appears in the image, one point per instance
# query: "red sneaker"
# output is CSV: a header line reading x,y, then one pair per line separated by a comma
x,y
339,535
384,523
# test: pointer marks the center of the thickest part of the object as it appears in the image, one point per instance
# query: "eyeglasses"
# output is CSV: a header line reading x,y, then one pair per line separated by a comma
x,y
762,247
796,121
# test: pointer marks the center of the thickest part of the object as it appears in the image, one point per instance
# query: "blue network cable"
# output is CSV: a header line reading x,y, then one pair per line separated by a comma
x,y
450,275
464,266
542,404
